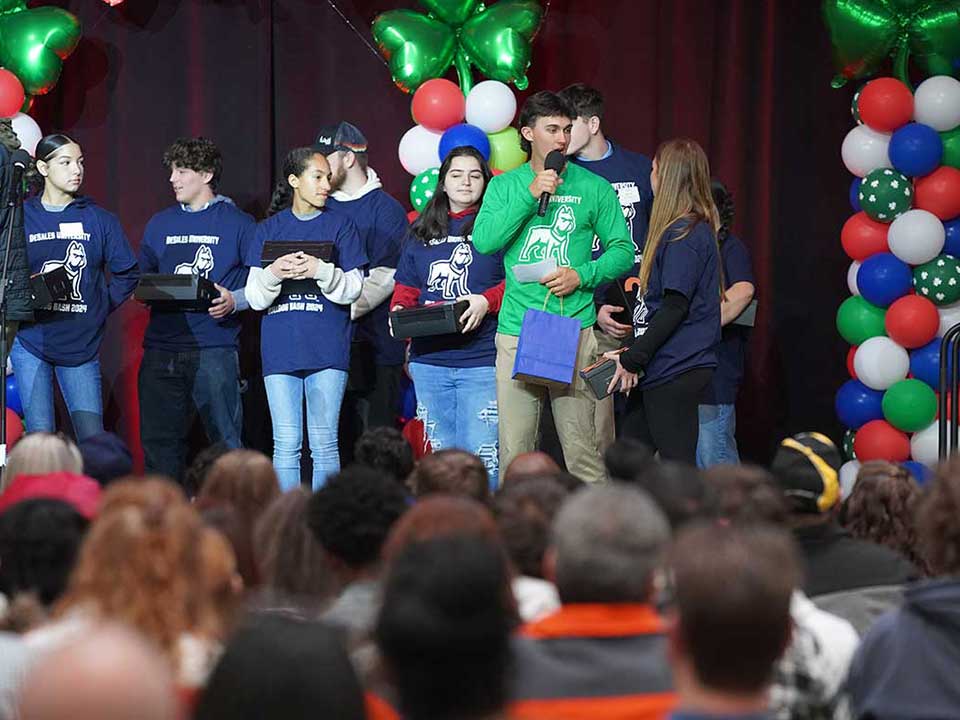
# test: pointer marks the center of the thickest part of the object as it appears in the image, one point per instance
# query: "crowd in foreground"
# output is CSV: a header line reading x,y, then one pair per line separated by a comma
x,y
409,590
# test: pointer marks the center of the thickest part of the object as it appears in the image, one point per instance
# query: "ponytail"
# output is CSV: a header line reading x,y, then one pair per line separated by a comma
x,y
282,197
293,164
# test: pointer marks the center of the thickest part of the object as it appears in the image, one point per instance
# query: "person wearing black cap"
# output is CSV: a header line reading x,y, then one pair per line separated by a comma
x,y
376,359
852,578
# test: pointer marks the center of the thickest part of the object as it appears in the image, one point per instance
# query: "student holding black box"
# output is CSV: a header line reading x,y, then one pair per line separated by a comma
x,y
306,331
454,374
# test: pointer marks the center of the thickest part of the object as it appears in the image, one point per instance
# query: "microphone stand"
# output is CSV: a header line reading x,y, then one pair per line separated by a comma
x,y
11,208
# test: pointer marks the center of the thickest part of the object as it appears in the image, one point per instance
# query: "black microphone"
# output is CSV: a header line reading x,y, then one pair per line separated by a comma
x,y
20,160
555,161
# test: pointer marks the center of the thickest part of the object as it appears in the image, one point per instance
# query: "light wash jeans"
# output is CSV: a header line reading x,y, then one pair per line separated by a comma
x,y
717,442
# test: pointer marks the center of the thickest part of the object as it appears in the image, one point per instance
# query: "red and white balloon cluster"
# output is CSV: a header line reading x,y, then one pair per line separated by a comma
x,y
904,279
446,119
12,100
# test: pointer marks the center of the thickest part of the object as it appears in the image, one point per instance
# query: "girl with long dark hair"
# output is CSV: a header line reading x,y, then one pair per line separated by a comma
x,y
676,321
454,375
69,234
306,330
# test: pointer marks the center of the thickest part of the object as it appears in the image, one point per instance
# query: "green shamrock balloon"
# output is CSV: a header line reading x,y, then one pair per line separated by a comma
x,y
885,194
423,187
938,280
34,43
847,448
462,33
865,32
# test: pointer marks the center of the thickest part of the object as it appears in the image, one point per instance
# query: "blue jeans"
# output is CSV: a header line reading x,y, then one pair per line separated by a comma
x,y
717,442
324,392
79,385
173,387
458,408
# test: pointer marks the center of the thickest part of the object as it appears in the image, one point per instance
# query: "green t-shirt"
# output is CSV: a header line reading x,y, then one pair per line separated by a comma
x,y
584,206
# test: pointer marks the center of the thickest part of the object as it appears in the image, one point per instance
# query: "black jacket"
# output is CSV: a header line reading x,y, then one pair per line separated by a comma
x,y
18,298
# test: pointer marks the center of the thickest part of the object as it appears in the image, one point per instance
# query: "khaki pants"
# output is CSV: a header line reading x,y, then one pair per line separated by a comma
x,y
574,411
606,428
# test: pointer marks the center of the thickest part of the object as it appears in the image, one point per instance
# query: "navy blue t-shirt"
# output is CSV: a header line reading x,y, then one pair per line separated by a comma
x,y
443,271
732,351
629,174
86,240
690,266
308,332
382,224
212,243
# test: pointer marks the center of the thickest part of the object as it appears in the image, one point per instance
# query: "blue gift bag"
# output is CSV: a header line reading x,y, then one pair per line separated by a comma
x,y
547,348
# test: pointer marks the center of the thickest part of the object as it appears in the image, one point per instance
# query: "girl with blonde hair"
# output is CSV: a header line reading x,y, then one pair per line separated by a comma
x,y
676,321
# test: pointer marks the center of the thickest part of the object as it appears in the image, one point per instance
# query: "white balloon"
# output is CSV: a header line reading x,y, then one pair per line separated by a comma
x,y
949,316
925,445
937,103
864,150
848,477
419,149
916,237
27,131
852,277
879,362
491,106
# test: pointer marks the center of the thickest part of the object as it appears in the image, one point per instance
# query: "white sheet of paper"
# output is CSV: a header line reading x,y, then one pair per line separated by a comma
x,y
71,230
534,272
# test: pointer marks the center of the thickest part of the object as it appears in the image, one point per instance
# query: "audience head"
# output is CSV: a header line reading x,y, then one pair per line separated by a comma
x,y
385,449
279,667
291,562
937,525
452,472
106,457
40,453
529,463
439,516
238,533
146,492
587,104
746,494
807,466
351,516
545,123
244,479
444,627
882,509
605,545
196,473
678,489
732,587
525,512
627,458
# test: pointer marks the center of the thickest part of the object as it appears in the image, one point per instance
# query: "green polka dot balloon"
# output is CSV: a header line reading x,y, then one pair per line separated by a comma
x,y
423,187
855,108
847,448
885,194
938,280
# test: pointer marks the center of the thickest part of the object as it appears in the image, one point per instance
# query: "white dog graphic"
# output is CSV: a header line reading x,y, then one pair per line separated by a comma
x,y
74,262
202,263
449,277
545,242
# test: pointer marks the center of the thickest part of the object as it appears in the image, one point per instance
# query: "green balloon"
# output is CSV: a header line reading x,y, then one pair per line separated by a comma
x,y
951,148
938,280
497,40
34,44
909,405
423,188
505,151
417,47
858,320
855,107
848,451
452,12
885,194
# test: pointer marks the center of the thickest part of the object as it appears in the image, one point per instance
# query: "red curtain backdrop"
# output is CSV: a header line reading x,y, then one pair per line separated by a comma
x,y
748,79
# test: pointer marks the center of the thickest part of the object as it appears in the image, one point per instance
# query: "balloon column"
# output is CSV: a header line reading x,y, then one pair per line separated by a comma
x,y
904,244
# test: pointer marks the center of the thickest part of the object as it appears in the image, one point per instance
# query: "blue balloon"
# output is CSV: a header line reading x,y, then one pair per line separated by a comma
x,y
855,194
921,473
464,134
13,395
952,244
882,278
916,149
925,363
856,404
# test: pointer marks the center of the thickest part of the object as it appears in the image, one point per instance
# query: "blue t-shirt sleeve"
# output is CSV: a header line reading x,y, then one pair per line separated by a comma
x,y
736,262
247,232
148,259
119,259
350,252
392,228
252,253
681,267
407,267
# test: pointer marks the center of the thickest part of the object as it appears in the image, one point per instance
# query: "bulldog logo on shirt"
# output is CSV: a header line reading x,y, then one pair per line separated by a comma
x,y
449,277
74,263
202,263
545,242
629,213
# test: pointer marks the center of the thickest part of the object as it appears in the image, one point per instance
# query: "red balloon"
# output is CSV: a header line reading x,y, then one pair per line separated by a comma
x,y
14,429
11,94
412,215
862,237
939,192
850,353
912,321
438,104
879,440
885,104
